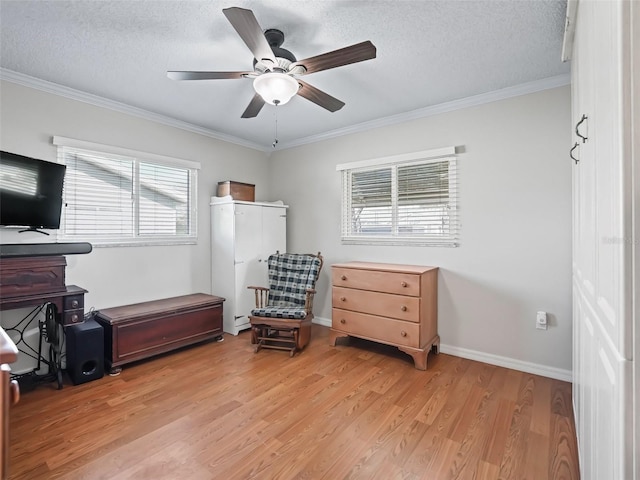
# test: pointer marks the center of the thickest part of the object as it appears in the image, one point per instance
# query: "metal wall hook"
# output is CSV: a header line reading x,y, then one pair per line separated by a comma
x,y
584,138
571,153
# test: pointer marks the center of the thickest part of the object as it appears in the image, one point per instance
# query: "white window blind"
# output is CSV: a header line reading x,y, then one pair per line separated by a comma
x,y
118,199
409,202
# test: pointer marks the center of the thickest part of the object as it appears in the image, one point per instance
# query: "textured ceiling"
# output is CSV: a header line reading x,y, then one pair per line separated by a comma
x,y
428,53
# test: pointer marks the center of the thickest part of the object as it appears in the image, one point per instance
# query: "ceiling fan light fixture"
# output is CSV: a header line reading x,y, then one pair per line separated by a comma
x,y
276,88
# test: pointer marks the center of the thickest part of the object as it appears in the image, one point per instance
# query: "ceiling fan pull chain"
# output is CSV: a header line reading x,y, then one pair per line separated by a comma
x,y
275,135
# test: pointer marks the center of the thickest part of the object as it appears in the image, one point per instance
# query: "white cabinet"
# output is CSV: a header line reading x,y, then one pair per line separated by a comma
x,y
243,235
605,224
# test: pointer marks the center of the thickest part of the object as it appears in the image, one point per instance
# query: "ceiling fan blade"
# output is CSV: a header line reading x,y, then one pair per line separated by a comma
x,y
319,97
177,75
337,58
245,23
254,107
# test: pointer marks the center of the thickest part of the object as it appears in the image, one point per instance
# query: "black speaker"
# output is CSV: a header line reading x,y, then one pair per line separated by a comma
x,y
85,351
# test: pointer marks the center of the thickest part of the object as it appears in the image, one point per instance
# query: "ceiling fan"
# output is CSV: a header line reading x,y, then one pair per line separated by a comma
x,y
275,69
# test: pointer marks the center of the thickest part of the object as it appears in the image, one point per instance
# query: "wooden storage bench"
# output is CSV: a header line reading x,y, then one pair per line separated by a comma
x,y
142,330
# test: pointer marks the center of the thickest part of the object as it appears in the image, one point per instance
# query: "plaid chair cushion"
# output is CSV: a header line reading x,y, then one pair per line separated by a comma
x,y
290,275
279,312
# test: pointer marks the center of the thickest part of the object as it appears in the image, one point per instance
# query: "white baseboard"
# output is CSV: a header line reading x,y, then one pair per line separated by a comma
x,y
326,322
522,366
506,362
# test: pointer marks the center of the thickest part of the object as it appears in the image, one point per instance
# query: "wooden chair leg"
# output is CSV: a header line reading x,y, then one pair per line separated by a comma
x,y
256,332
295,344
304,335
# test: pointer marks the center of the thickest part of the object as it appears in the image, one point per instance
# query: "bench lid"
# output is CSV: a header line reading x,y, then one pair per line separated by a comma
x,y
164,306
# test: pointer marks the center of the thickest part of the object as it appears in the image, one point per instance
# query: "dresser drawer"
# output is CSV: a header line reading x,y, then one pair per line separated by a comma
x,y
376,303
388,282
388,330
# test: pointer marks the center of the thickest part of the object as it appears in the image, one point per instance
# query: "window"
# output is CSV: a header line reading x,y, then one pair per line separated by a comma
x,y
115,196
408,199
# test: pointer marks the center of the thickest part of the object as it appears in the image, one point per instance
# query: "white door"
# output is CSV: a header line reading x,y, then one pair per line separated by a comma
x,y
248,265
602,255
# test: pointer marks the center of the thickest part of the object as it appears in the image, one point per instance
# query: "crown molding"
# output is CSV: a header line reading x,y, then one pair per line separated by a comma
x,y
473,101
476,100
56,89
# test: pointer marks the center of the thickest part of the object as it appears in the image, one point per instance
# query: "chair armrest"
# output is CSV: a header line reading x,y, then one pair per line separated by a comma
x,y
261,294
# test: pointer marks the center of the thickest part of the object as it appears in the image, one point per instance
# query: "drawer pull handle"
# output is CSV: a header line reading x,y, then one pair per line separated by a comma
x,y
74,304
343,321
74,318
404,284
343,299
403,333
343,277
403,308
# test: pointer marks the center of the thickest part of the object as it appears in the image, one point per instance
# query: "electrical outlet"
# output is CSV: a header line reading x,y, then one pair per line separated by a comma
x,y
541,320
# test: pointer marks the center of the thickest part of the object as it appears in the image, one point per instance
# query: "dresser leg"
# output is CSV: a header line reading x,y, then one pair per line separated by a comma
x,y
419,356
333,335
435,344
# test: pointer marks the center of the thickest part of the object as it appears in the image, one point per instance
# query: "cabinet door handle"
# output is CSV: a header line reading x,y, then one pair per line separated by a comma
x,y
403,308
343,321
583,137
404,284
343,299
343,277
571,153
403,333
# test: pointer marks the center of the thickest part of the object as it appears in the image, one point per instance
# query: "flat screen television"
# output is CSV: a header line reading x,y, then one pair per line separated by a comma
x,y
30,192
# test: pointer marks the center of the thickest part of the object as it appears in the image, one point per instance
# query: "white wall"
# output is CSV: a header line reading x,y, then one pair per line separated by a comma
x,y
515,200
121,275
515,184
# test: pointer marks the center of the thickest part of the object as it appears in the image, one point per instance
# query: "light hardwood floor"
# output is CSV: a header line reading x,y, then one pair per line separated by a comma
x,y
358,411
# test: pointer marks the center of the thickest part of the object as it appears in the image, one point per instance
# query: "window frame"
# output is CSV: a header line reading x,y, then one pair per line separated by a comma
x,y
67,145
395,237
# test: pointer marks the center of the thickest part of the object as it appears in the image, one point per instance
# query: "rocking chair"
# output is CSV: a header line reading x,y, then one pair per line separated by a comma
x,y
283,314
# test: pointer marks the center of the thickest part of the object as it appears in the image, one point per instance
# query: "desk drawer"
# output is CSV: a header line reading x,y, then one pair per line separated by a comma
x,y
388,330
387,282
376,303
72,317
73,302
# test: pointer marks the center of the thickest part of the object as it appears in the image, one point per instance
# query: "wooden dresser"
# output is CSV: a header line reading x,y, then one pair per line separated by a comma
x,y
391,304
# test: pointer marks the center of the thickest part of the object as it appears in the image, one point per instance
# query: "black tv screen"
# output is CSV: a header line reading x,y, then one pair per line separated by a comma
x,y
30,191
